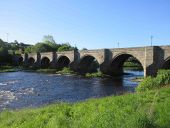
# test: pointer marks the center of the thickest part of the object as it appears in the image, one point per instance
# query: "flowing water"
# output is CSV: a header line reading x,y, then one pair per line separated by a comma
x,y
28,89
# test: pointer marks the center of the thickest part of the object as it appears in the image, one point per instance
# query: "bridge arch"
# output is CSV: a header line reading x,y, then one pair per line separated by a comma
x,y
88,63
116,64
63,61
20,60
166,63
31,61
45,62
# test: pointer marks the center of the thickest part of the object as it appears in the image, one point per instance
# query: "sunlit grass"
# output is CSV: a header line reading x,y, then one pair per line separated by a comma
x,y
94,75
66,70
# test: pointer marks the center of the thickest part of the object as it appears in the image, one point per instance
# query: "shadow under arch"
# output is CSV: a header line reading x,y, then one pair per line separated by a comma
x,y
117,63
31,61
63,61
20,60
88,64
45,62
166,64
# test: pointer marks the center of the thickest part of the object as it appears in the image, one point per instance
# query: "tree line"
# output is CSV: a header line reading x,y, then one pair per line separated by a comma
x,y
48,44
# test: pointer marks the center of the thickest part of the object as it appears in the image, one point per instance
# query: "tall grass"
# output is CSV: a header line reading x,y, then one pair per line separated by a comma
x,y
94,75
162,79
66,70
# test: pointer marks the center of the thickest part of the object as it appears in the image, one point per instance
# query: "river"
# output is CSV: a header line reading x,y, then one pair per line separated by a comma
x,y
28,89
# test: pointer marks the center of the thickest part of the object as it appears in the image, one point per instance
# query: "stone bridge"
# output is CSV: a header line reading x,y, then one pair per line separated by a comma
x,y
110,61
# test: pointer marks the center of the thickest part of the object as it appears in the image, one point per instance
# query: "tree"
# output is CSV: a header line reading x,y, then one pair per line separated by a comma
x,y
84,49
48,38
4,56
3,47
41,47
53,46
28,49
65,47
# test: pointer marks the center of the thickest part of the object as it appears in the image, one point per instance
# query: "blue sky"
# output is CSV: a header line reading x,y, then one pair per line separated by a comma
x,y
87,23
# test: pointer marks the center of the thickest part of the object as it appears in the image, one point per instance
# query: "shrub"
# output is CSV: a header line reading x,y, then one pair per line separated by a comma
x,y
147,84
66,70
95,74
47,70
162,79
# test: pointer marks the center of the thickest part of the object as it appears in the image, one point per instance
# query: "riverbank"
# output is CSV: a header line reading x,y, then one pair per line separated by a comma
x,y
68,71
9,69
64,71
147,109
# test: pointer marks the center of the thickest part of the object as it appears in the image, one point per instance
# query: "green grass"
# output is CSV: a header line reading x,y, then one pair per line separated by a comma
x,y
94,75
132,66
150,109
66,71
8,69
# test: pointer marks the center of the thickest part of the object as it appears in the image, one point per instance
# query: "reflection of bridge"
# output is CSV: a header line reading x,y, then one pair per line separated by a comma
x,y
110,60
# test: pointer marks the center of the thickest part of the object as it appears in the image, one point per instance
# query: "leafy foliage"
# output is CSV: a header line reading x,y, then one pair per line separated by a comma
x,y
162,79
49,38
4,56
41,47
66,70
47,45
147,84
94,75
65,47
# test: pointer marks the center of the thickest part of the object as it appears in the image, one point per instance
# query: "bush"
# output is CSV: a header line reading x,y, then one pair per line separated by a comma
x,y
162,79
147,84
93,75
66,70
47,70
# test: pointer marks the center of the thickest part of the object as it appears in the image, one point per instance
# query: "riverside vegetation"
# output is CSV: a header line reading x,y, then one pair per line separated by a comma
x,y
68,71
149,107
9,68
63,71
